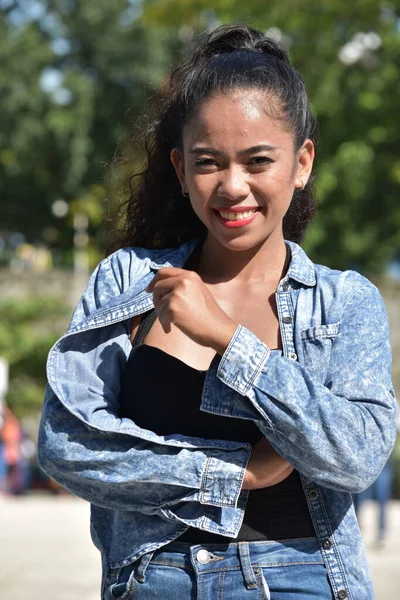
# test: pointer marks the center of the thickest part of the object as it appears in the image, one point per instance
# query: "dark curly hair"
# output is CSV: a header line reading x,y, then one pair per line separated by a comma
x,y
231,57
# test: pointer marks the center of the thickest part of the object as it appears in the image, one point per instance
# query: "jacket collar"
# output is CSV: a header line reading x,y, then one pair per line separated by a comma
x,y
178,256
301,269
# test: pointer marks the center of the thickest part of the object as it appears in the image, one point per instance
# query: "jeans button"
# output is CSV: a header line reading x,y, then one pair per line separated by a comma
x,y
327,544
203,557
293,355
342,594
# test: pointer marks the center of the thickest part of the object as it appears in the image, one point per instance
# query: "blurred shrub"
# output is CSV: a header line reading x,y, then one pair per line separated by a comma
x,y
28,328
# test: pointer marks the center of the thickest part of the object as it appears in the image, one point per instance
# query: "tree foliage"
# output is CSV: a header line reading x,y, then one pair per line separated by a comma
x,y
74,76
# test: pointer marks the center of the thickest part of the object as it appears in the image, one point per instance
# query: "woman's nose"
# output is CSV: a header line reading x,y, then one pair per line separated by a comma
x,y
233,184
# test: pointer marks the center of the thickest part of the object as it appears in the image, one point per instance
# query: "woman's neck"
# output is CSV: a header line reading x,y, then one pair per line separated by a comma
x,y
216,263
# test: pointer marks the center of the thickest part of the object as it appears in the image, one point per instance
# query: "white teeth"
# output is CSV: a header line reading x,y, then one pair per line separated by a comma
x,y
231,216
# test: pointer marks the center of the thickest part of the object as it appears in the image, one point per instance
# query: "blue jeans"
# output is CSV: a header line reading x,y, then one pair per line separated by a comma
x,y
284,570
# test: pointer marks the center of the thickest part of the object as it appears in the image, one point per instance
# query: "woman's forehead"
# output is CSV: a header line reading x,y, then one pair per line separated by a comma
x,y
246,116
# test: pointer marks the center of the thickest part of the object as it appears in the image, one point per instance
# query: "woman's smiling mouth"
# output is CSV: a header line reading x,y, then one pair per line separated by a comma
x,y
236,216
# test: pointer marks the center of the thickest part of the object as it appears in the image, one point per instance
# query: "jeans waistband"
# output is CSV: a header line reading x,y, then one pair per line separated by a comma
x,y
203,558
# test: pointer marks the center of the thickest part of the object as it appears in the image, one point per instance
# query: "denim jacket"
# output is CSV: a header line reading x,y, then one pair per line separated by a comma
x,y
326,405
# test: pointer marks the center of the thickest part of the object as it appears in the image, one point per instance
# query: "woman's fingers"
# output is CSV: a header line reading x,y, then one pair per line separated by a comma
x,y
164,313
168,273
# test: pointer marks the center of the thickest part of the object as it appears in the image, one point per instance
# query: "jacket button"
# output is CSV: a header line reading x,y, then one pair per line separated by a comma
x,y
293,355
203,557
342,594
327,544
285,286
287,320
313,494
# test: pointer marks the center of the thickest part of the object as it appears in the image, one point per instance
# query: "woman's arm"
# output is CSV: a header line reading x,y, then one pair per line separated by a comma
x,y
125,468
122,473
265,467
338,432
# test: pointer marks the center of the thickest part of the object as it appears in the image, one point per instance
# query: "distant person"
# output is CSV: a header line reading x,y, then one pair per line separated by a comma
x,y
3,466
218,396
381,492
11,436
27,454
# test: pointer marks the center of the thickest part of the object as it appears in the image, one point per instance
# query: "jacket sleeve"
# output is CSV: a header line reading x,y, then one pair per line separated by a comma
x,y
338,432
109,461
119,468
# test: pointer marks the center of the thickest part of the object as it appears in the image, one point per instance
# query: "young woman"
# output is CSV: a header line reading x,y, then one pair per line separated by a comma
x,y
218,397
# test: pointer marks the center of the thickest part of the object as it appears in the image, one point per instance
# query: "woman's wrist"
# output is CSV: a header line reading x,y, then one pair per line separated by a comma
x,y
225,334
265,467
252,482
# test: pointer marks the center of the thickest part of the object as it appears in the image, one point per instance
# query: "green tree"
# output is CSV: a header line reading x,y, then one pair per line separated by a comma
x,y
74,77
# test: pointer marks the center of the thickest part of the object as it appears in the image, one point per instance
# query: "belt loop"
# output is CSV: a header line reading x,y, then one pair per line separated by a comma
x,y
247,569
142,566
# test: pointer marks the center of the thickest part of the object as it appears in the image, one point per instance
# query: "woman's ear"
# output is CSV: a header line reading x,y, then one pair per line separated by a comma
x,y
305,159
177,160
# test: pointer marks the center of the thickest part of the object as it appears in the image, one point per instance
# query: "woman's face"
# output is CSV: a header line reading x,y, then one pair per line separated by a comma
x,y
236,157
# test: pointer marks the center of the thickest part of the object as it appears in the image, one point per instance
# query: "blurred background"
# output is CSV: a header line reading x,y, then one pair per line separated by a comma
x,y
75,77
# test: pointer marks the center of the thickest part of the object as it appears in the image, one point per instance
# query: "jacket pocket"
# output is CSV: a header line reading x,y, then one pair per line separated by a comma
x,y
317,347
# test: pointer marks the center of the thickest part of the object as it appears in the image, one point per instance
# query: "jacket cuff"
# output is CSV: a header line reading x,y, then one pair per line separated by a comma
x,y
222,479
243,360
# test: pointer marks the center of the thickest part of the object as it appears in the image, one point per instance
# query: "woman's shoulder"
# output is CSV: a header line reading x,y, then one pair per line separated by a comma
x,y
126,264
347,281
335,289
348,291
323,277
346,277
120,272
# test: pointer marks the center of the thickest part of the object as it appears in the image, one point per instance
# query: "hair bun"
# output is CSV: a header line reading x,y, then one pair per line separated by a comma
x,y
271,47
231,38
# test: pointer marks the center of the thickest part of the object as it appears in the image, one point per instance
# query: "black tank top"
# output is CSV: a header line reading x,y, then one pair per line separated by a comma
x,y
170,403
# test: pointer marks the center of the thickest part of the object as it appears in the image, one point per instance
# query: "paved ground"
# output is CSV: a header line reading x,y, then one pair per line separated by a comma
x,y
46,552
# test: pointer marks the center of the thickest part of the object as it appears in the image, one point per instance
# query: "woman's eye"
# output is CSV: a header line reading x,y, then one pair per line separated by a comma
x,y
261,160
204,162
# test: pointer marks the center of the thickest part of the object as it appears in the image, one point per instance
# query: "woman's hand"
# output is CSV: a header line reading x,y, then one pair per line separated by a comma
x,y
265,467
181,298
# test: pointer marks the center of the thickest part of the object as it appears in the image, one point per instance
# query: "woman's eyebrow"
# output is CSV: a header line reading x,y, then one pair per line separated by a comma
x,y
259,148
251,150
203,150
